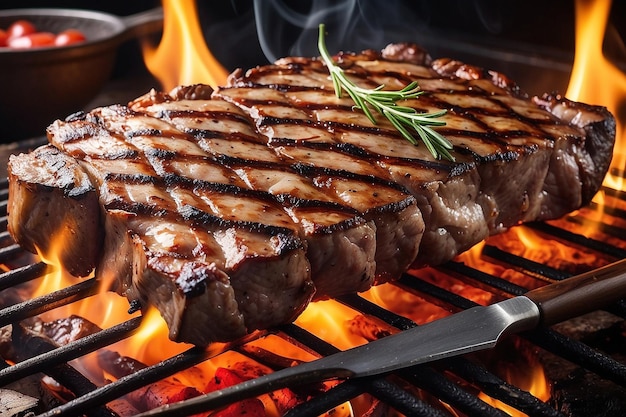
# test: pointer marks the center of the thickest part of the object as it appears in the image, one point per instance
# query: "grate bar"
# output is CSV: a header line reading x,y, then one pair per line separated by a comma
x,y
381,388
607,229
48,302
359,303
524,265
70,351
9,253
471,372
500,390
392,394
434,294
612,211
5,238
550,340
579,353
435,383
136,380
485,280
619,194
21,275
578,239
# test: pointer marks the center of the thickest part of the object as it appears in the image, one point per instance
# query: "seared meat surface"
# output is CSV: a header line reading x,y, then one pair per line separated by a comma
x,y
230,210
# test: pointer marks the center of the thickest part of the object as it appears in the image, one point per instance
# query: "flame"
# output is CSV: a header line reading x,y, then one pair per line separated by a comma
x,y
595,79
105,309
182,57
529,377
326,319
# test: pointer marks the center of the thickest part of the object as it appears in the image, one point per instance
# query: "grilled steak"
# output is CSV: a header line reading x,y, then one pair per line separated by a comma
x,y
230,210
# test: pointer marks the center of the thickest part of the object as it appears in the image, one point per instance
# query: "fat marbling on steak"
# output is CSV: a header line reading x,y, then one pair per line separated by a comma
x,y
230,210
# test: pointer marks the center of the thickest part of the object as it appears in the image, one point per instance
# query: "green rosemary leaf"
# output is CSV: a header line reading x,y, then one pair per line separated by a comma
x,y
407,120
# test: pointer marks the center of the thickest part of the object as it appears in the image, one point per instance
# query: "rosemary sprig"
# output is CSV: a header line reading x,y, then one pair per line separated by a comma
x,y
404,119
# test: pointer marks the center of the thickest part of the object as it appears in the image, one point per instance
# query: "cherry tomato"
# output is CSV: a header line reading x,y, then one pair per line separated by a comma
x,y
69,37
34,40
4,37
21,28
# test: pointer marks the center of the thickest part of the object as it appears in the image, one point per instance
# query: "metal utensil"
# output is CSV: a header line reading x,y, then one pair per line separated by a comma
x,y
470,330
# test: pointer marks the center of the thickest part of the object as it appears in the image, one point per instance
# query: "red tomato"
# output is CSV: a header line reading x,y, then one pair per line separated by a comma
x,y
34,40
21,28
68,37
4,37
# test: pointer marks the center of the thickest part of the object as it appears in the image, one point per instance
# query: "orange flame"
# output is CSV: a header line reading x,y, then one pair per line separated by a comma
x,y
528,377
594,78
182,57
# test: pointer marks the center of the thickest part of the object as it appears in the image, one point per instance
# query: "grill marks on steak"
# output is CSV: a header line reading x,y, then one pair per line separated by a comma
x,y
317,201
168,242
201,232
510,151
228,209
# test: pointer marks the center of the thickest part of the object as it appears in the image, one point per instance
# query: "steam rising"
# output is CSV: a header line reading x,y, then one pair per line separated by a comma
x,y
291,29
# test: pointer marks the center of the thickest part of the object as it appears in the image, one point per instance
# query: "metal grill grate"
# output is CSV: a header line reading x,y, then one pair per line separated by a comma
x,y
455,382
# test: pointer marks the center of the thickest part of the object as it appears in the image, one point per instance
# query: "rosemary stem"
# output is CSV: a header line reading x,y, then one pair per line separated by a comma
x,y
407,120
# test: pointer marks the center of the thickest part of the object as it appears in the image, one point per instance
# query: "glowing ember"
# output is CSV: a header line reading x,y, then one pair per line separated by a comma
x,y
182,57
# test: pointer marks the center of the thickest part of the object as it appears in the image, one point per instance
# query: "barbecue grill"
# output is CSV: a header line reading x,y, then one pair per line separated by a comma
x,y
583,359
448,380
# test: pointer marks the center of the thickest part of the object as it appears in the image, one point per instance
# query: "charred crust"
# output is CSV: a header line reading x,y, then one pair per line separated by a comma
x,y
79,130
143,132
121,154
346,224
312,171
162,154
283,88
134,306
395,206
236,162
600,150
203,133
288,243
360,128
79,115
448,67
63,170
203,219
408,52
191,92
207,114
139,208
350,149
271,121
132,178
295,202
221,188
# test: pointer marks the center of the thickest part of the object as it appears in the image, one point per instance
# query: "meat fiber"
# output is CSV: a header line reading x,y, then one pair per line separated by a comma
x,y
230,210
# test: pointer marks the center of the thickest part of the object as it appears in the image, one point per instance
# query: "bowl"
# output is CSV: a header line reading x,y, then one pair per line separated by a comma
x,y
40,85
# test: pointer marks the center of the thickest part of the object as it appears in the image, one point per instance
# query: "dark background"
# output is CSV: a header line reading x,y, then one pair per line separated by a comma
x,y
533,28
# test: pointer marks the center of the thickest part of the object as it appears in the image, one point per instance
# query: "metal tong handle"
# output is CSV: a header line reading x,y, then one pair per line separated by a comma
x,y
580,294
